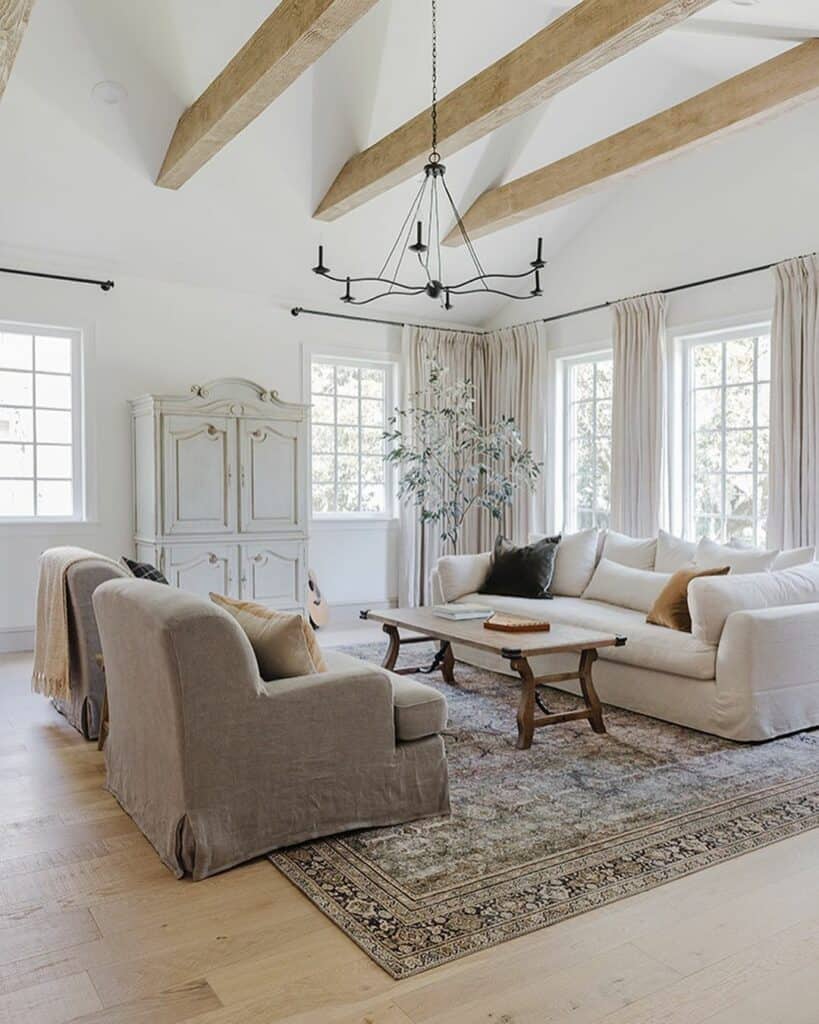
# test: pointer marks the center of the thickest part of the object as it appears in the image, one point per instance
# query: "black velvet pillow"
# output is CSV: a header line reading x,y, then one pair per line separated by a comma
x,y
522,572
144,570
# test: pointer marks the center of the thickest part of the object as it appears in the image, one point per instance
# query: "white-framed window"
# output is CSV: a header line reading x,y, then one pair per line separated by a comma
x,y
587,441
350,400
726,405
41,458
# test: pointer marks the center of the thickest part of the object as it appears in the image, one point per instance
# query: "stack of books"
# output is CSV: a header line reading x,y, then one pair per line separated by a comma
x,y
459,612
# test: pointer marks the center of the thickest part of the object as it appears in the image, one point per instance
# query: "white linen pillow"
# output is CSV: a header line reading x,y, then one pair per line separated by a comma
x,y
574,563
793,557
462,574
710,555
635,552
674,553
621,585
711,599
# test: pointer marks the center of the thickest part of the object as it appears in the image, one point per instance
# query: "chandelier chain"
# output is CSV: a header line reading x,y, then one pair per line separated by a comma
x,y
434,112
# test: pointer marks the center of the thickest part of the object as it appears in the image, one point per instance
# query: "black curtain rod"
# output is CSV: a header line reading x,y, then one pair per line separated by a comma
x,y
105,285
298,310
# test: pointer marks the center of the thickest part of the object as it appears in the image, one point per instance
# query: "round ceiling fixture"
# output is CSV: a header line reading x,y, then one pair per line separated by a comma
x,y
745,3
110,93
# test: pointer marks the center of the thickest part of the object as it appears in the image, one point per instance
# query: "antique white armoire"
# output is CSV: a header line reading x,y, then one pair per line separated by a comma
x,y
220,491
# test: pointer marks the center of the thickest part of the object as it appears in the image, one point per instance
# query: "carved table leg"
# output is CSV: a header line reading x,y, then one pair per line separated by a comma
x,y
526,707
447,663
587,659
391,656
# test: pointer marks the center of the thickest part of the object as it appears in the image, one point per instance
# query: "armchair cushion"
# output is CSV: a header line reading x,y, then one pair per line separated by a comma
x,y
284,642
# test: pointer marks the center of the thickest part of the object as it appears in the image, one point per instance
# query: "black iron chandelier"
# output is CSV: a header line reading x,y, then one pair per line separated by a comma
x,y
420,233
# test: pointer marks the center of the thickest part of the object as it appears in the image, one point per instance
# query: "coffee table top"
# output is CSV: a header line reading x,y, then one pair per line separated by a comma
x,y
559,639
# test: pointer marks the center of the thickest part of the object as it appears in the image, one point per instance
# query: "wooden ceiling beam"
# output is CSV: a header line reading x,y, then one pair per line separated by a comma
x,y
763,91
585,38
14,15
292,39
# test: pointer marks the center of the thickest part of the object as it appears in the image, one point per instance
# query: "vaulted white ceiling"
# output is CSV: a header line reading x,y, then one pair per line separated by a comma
x,y
77,176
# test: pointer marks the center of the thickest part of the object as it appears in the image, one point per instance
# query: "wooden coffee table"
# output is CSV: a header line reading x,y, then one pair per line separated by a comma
x,y
517,648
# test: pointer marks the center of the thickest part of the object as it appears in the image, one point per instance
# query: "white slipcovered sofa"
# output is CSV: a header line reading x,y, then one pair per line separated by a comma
x,y
748,670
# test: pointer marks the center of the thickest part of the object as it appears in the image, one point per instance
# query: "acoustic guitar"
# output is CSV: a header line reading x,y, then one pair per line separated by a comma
x,y
316,602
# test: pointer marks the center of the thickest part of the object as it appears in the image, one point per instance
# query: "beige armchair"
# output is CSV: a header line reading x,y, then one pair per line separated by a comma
x,y
216,766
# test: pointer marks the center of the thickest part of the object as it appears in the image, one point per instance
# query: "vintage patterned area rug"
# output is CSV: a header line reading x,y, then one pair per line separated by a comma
x,y
537,836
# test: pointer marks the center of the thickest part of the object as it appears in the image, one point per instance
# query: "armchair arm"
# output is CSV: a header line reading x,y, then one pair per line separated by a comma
x,y
462,574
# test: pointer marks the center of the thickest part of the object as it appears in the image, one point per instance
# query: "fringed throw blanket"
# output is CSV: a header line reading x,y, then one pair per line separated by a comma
x,y
50,676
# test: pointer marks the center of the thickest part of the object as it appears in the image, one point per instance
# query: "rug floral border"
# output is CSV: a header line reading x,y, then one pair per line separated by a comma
x,y
407,933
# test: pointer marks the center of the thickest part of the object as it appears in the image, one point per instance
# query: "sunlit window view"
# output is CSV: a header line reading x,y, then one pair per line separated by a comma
x,y
729,402
36,425
349,411
588,443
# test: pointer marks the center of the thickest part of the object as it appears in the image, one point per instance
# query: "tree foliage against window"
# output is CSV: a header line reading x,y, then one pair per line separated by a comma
x,y
450,463
729,403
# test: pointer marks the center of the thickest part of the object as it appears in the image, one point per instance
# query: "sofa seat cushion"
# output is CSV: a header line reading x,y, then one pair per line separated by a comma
x,y
419,710
651,647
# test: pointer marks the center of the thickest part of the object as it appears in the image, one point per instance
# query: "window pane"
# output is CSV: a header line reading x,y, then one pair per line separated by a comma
x,y
764,357
583,383
16,351
347,469
323,439
16,460
324,468
588,447
347,410
53,427
16,388
762,451
739,407
604,419
322,379
762,497
52,355
323,409
739,451
708,494
347,498
372,471
707,365
324,498
347,380
604,370
764,404
708,409
373,498
708,451
347,440
16,497
372,384
372,442
583,420
54,460
16,425
739,361
739,496
741,530
583,495
372,413
53,391
54,498
708,526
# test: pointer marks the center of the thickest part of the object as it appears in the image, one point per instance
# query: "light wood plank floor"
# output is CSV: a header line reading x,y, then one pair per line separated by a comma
x,y
94,929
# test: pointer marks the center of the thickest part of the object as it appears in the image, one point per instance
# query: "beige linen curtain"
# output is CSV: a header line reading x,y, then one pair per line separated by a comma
x,y
505,367
793,516
638,416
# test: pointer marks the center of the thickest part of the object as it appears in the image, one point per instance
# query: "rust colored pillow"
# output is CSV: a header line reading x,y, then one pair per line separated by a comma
x,y
671,607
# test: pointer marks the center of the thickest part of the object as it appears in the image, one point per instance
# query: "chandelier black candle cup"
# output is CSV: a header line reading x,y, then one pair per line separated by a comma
x,y
420,233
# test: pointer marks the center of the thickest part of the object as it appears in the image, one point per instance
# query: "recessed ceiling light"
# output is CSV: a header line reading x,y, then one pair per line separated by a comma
x,y
745,3
110,93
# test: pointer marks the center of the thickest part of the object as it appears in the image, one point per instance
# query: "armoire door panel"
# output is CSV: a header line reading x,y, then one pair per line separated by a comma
x,y
202,568
199,493
270,483
272,574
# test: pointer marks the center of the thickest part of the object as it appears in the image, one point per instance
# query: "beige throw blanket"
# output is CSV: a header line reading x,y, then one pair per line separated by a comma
x,y
50,675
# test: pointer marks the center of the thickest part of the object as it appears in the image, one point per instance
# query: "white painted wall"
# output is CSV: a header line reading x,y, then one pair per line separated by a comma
x,y
149,336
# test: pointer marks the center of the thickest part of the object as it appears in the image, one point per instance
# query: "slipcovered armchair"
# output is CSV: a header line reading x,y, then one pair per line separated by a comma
x,y
216,766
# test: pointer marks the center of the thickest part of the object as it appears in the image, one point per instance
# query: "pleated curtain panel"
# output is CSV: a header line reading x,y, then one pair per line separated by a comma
x,y
505,367
638,425
793,514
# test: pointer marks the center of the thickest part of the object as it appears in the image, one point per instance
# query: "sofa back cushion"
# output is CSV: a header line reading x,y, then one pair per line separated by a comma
x,y
674,553
624,586
574,563
462,574
284,642
711,600
794,557
710,555
521,571
635,552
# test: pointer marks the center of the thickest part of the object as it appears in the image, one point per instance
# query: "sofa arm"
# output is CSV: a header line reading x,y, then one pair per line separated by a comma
x,y
770,648
462,574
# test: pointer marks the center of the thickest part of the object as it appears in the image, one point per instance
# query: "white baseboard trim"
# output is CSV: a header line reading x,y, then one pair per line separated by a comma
x,y
16,638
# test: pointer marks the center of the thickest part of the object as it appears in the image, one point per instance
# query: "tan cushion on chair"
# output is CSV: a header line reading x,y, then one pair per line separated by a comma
x,y
284,642
671,607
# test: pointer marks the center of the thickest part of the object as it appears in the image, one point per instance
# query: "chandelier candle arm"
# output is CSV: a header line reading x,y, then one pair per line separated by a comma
x,y
429,251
